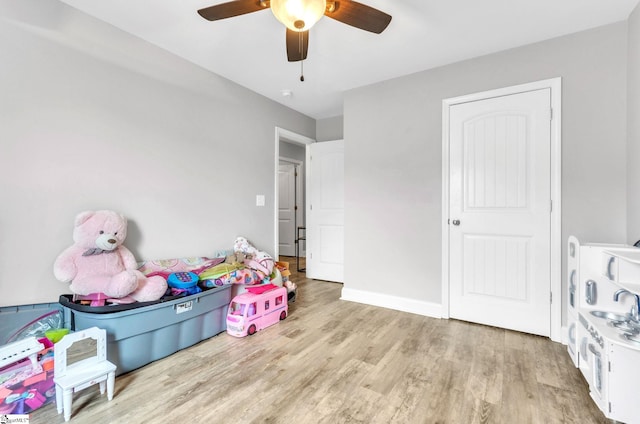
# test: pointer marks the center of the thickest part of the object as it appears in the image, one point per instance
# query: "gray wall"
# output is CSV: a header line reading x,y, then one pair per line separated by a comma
x,y
633,128
92,118
329,129
393,139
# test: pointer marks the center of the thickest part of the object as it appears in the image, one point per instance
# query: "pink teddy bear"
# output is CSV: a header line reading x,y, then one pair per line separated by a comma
x,y
98,262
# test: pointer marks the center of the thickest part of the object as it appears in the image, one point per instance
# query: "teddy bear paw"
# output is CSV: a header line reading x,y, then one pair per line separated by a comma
x,y
123,284
150,289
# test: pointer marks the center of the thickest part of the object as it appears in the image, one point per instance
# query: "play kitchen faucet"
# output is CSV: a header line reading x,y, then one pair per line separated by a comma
x,y
635,309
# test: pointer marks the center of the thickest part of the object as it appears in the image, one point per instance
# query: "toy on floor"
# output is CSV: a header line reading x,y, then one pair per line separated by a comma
x,y
292,289
99,267
73,377
258,308
25,384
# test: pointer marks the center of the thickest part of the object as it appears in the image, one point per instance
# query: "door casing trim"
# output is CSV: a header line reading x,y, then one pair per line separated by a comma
x,y
555,84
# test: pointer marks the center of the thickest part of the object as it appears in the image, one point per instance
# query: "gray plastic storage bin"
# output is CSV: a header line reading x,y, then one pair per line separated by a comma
x,y
138,336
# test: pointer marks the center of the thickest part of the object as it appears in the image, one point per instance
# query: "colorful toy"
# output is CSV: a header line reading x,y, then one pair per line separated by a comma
x,y
71,377
165,267
255,259
182,280
56,334
183,283
98,263
26,384
258,308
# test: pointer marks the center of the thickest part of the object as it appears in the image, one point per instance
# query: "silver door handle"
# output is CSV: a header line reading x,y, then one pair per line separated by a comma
x,y
591,292
593,350
456,222
610,276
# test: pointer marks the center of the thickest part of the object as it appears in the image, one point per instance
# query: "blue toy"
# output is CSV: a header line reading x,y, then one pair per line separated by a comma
x,y
183,282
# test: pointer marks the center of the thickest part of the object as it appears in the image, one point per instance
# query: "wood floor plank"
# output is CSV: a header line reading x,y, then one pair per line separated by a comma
x,y
520,403
333,361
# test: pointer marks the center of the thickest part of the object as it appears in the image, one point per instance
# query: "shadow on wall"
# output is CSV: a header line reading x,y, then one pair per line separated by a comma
x,y
134,239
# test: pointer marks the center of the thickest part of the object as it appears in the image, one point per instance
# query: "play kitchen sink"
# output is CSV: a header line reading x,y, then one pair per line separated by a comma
x,y
628,325
629,330
611,316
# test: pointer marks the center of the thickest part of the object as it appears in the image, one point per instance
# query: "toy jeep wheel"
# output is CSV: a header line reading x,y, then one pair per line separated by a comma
x,y
252,330
283,315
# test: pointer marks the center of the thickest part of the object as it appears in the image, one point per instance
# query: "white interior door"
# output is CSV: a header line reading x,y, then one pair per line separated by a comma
x,y
286,209
325,211
500,204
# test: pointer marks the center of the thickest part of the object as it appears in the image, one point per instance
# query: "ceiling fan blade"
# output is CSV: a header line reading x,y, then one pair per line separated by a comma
x,y
297,45
358,15
232,8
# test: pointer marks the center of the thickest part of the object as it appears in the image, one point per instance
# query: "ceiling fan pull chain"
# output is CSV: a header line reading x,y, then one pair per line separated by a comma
x,y
301,48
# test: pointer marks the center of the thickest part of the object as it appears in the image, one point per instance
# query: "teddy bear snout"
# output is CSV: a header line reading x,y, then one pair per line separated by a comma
x,y
107,242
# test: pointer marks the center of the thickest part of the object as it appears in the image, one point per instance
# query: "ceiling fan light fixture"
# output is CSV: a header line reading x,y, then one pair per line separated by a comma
x,y
298,15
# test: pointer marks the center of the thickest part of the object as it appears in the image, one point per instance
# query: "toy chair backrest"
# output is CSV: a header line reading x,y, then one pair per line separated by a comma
x,y
61,349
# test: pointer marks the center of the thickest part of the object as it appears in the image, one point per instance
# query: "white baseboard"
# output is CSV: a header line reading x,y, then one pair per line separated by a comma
x,y
403,304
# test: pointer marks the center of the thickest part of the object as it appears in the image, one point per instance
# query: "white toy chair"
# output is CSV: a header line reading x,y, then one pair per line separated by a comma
x,y
84,373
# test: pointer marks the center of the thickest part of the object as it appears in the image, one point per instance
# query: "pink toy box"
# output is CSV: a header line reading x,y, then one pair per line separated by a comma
x,y
258,308
26,376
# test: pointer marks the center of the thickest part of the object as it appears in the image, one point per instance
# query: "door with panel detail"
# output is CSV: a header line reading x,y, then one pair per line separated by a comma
x,y
325,211
287,209
500,211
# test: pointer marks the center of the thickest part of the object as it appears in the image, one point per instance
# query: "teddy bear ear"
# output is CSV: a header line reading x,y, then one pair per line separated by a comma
x,y
83,217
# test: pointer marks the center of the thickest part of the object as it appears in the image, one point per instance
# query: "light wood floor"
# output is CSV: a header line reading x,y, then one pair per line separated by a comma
x,y
333,361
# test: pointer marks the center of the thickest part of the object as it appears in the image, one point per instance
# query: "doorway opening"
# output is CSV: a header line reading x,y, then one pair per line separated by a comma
x,y
286,143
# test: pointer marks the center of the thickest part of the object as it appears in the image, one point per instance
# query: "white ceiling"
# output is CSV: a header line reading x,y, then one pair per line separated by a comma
x,y
423,34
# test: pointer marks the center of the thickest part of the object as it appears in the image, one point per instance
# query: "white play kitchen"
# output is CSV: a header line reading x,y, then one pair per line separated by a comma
x,y
603,303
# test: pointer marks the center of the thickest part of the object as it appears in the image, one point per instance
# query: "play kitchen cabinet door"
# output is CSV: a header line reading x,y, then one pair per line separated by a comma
x,y
572,284
573,276
572,342
592,361
624,376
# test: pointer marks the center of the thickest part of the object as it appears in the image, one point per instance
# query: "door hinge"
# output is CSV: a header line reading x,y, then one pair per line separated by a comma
x,y
609,407
310,207
550,206
295,208
551,115
550,297
448,221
